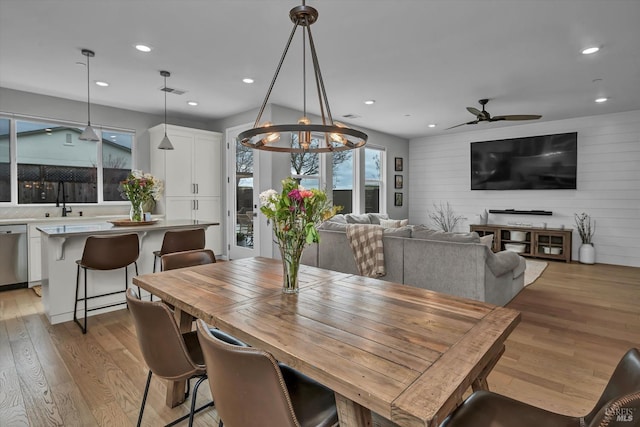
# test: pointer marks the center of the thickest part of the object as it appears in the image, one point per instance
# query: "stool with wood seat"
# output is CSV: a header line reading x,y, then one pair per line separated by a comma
x,y
179,241
105,253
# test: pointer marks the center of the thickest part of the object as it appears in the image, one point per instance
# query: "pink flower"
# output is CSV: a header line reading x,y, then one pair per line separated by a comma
x,y
306,193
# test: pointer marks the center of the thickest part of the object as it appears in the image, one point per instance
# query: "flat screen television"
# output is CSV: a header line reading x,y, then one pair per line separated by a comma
x,y
546,162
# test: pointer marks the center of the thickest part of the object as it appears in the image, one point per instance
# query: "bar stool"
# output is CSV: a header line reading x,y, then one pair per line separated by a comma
x,y
179,241
105,253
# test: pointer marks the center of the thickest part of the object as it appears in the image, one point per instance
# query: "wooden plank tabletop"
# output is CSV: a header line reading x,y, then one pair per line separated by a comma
x,y
404,352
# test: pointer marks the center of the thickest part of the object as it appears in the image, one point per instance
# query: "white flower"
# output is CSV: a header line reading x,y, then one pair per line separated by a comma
x,y
266,198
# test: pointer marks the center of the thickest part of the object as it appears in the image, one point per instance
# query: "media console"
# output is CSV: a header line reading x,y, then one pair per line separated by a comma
x,y
535,242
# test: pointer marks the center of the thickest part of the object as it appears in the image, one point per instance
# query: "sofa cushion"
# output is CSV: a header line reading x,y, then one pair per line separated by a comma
x,y
442,236
357,219
397,232
487,240
334,226
339,218
390,223
376,217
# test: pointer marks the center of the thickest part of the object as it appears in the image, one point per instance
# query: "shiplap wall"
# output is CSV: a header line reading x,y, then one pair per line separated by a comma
x,y
608,186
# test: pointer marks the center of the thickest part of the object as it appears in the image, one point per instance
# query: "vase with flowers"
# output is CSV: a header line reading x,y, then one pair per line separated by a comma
x,y
295,213
140,188
586,230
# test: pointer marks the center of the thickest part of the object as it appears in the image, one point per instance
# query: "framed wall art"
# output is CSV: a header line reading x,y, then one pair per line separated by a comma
x,y
399,164
397,199
398,181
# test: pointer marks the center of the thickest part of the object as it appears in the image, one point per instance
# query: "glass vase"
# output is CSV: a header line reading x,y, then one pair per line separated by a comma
x,y
290,267
136,214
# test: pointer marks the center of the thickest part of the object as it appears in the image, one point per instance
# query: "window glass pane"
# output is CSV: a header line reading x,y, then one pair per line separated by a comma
x,y
5,162
305,167
244,196
342,162
52,161
116,162
373,179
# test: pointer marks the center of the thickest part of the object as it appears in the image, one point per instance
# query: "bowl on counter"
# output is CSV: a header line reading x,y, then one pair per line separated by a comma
x,y
518,236
515,247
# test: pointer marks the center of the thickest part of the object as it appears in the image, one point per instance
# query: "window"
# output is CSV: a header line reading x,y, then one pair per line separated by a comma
x,y
116,162
305,167
52,162
5,161
342,163
373,185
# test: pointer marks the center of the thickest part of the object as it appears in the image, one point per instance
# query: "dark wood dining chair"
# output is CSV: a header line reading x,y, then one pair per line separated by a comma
x,y
619,405
179,241
252,389
103,253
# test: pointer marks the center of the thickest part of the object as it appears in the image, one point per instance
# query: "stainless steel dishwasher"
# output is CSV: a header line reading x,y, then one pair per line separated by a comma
x,y
14,269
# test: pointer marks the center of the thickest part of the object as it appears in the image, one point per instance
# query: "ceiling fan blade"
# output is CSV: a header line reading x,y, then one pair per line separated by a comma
x,y
516,117
462,124
474,111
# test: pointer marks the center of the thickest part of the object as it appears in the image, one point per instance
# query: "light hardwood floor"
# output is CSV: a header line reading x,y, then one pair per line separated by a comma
x,y
577,321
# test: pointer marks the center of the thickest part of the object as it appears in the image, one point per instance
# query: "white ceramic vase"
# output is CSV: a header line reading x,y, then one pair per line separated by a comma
x,y
587,253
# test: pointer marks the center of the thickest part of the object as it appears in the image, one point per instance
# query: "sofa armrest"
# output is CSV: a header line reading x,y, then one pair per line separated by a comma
x,y
502,262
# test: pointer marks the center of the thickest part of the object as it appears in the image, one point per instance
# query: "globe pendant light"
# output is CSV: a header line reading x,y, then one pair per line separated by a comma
x,y
303,137
165,144
89,134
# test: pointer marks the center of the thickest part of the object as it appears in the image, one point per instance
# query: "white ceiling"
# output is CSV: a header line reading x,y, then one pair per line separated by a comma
x,y
423,61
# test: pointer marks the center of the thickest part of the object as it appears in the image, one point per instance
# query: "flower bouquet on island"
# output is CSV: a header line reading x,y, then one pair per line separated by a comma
x,y
139,188
295,213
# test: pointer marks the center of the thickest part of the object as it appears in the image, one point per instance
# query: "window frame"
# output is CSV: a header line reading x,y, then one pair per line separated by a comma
x,y
100,130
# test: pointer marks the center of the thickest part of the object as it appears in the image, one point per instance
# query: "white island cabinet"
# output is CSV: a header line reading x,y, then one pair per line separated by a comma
x,y
192,174
63,244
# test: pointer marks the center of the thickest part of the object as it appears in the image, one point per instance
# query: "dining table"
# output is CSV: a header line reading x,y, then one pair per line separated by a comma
x,y
387,350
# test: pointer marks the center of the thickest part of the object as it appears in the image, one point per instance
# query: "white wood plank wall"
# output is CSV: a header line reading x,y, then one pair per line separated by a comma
x,y
608,182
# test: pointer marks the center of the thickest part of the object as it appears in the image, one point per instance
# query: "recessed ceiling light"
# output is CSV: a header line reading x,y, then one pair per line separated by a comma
x,y
143,48
432,125
192,103
247,80
113,137
601,100
370,101
102,84
590,50
47,130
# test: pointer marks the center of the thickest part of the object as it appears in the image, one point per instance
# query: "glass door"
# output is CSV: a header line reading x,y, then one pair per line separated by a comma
x,y
242,197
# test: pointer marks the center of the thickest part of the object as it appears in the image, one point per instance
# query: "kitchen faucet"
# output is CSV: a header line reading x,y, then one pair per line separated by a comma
x,y
65,210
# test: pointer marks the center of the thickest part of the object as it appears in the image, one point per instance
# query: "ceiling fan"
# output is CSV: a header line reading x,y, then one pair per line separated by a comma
x,y
484,116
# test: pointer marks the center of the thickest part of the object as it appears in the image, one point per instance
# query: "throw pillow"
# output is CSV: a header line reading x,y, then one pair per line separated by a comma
x,y
390,223
442,236
357,219
487,240
376,217
404,222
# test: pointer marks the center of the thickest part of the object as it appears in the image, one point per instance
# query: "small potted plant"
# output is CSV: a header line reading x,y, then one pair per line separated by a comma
x,y
586,230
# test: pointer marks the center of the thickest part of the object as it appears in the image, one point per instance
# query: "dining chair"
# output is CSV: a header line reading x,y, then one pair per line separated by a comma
x,y
102,253
252,389
178,241
187,259
168,353
619,405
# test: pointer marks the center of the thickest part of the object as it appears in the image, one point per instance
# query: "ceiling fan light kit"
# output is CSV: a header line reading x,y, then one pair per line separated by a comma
x,y
484,116
88,134
303,136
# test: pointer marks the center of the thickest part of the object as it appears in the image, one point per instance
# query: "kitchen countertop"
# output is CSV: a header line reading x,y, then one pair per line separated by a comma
x,y
44,220
105,227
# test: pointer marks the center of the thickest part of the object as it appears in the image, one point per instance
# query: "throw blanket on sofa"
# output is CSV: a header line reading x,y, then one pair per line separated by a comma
x,y
366,242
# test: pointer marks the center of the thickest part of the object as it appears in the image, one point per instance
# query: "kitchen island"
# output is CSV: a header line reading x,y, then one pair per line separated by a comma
x,y
62,245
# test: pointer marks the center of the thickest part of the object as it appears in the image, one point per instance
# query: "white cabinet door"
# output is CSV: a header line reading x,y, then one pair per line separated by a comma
x,y
35,259
179,208
179,167
206,166
208,209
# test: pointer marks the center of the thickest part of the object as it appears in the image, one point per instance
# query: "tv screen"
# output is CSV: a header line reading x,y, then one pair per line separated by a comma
x,y
546,162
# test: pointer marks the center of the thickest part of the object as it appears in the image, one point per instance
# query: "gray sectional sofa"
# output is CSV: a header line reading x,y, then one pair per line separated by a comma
x,y
452,263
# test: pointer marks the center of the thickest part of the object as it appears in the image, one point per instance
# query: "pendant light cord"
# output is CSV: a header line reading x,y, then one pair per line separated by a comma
x,y
88,93
165,105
